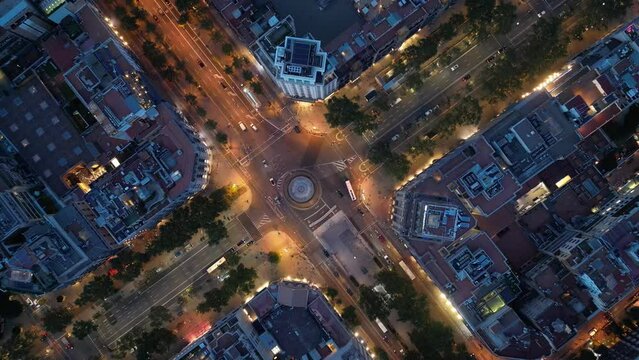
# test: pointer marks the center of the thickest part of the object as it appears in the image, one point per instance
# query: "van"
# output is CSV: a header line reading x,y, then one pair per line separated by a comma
x,y
242,126
371,95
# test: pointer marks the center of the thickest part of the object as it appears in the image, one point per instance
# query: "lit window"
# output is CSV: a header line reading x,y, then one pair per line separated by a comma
x,y
55,120
24,142
35,158
39,131
13,127
33,90
28,116
44,105
46,173
66,135
51,146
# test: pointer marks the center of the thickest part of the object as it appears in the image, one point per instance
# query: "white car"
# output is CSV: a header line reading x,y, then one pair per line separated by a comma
x,y
428,112
454,67
253,127
242,126
395,137
272,181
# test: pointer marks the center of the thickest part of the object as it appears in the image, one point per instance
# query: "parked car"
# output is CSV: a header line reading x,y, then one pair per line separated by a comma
x,y
454,67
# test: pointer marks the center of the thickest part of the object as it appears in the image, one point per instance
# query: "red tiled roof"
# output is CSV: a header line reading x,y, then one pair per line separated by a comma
x,y
599,120
61,50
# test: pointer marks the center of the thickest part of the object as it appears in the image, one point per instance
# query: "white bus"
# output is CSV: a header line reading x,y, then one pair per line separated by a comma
x,y
351,193
216,265
381,326
252,99
407,270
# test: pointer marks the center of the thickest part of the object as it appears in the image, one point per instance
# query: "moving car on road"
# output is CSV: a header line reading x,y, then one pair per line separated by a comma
x,y
242,126
454,67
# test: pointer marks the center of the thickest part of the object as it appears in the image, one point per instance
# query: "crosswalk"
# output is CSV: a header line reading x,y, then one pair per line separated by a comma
x,y
265,219
341,165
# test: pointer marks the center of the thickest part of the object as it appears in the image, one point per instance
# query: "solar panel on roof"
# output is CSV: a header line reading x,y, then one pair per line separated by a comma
x,y
301,54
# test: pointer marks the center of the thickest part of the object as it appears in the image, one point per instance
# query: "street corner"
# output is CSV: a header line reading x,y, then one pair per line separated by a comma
x,y
311,117
242,196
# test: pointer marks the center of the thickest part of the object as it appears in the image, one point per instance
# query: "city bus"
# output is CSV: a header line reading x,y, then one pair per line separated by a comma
x,y
216,265
407,270
381,326
351,193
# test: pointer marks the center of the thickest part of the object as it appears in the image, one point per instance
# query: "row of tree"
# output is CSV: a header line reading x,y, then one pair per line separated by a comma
x,y
432,339
241,280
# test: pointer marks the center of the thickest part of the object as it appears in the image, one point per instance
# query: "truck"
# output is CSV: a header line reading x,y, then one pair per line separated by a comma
x,y
408,272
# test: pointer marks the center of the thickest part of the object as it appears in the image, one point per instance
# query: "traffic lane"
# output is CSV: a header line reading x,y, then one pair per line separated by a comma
x,y
437,84
184,49
192,44
131,309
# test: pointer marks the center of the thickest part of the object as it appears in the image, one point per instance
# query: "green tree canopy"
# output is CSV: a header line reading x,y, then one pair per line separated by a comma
x,y
350,316
157,341
372,303
158,315
342,112
128,264
83,328
97,289
56,319
273,257
222,138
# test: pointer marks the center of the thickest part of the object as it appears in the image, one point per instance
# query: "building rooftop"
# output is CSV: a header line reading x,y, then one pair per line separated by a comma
x,y
287,319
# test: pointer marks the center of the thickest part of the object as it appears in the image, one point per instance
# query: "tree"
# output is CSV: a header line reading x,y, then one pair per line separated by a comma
x,y
97,289
183,19
200,111
342,111
158,315
372,303
331,293
247,75
227,49
151,27
169,73
190,99
222,138
398,166
433,340
257,87
156,341
57,319
228,69
83,328
504,18
19,346
414,80
139,13
380,152
422,146
128,264
210,124
9,308
206,23
350,316
216,231
185,5
273,257
598,13
216,36
480,13
214,300
237,62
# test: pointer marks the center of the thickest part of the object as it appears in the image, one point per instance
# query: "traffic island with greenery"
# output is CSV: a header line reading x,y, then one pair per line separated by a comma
x,y
273,257
241,281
